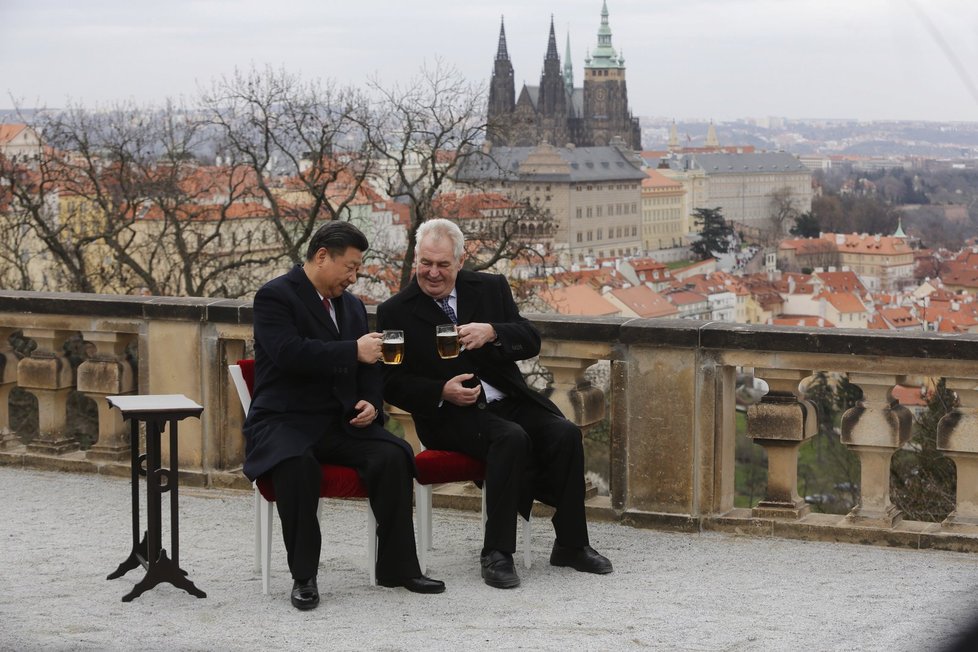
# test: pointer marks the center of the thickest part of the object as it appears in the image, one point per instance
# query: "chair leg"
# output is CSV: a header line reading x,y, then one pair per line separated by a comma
x,y
371,545
266,545
258,500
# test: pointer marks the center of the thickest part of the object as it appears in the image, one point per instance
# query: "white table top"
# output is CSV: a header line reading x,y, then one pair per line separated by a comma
x,y
154,403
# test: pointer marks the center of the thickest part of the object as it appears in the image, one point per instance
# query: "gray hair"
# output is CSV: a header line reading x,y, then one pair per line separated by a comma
x,y
441,228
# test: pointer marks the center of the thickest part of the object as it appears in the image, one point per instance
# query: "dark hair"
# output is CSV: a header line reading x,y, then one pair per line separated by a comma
x,y
335,237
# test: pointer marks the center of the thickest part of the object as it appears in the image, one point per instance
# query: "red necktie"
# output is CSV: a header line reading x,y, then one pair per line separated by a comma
x,y
328,303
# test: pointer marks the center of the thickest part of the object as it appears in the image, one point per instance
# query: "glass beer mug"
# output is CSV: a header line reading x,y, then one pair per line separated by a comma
x,y
392,347
446,339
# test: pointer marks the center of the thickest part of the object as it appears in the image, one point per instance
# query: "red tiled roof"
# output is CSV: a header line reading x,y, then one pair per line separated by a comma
x,y
846,281
685,297
844,302
802,320
900,317
9,131
645,302
656,181
642,264
578,300
961,274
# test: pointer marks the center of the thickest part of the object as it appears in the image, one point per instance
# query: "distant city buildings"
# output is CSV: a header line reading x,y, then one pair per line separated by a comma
x,y
593,194
883,263
750,188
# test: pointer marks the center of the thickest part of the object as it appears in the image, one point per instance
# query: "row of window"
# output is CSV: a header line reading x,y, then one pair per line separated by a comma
x,y
661,228
611,186
613,233
662,215
599,211
662,201
583,257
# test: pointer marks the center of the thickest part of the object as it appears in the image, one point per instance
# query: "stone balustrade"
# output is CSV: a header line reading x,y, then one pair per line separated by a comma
x,y
669,403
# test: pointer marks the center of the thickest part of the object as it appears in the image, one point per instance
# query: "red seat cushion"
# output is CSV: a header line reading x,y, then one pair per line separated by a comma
x,y
435,467
335,482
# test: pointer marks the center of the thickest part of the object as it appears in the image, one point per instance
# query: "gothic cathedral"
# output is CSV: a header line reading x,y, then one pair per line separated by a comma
x,y
555,111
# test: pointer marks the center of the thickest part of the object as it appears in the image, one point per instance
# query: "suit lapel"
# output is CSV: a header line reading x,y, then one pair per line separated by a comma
x,y
310,299
425,308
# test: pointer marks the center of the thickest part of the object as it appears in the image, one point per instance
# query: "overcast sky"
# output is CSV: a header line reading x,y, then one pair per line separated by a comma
x,y
712,59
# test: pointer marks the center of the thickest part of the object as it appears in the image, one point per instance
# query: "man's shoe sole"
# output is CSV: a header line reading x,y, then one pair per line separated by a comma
x,y
500,584
303,606
581,569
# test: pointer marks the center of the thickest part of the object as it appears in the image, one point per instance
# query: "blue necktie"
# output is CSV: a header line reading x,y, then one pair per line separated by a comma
x,y
447,308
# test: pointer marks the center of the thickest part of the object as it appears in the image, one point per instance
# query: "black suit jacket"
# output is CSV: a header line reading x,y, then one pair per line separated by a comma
x,y
307,377
416,384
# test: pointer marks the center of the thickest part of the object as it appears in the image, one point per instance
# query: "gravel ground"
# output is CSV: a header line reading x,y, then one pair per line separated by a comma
x,y
61,534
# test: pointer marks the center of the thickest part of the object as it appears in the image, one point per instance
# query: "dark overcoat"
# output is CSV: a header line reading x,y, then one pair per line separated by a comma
x,y
416,384
307,377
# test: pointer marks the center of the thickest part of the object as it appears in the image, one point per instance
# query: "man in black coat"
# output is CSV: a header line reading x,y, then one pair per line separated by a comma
x,y
479,404
317,399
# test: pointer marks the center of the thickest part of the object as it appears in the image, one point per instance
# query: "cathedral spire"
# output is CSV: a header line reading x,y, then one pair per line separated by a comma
x,y
568,67
502,89
552,100
501,53
552,43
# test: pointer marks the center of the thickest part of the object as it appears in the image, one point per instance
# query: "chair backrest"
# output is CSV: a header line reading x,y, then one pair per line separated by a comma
x,y
243,377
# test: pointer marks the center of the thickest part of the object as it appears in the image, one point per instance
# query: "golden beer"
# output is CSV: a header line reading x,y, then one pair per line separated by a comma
x,y
393,351
446,341
392,347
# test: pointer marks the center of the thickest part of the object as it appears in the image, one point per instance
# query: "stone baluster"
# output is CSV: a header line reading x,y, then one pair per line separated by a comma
x,y
108,373
875,429
577,398
780,422
8,380
957,437
46,374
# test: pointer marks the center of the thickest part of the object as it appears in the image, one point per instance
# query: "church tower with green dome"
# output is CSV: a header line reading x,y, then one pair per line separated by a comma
x,y
606,113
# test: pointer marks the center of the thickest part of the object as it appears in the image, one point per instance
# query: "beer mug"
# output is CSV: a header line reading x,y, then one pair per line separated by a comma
x,y
392,347
446,339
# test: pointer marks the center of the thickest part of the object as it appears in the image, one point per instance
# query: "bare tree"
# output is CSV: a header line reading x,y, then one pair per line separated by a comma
x,y
18,249
120,204
784,211
419,134
303,144
38,202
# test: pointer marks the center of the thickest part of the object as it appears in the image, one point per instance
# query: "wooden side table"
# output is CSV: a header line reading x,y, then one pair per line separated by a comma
x,y
155,410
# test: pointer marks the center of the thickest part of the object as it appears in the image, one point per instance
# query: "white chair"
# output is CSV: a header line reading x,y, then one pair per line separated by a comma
x,y
437,467
336,482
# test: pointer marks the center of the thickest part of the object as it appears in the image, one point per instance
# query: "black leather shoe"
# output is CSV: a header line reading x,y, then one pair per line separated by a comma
x,y
419,584
585,559
305,594
498,571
